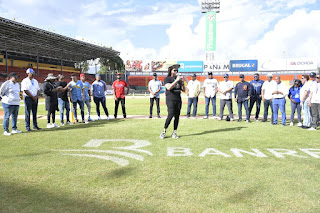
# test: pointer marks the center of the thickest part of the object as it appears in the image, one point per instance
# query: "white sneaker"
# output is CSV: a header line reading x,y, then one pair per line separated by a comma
x,y
299,124
15,131
55,125
69,123
86,122
175,135
62,124
6,133
162,135
312,129
205,117
99,118
215,117
291,124
108,118
219,119
49,126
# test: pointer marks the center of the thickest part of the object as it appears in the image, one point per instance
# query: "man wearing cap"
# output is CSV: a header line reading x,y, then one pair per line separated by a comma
x,y
280,90
266,93
242,93
63,99
154,87
30,88
225,87
174,85
77,96
193,92
10,94
87,94
210,90
256,96
98,90
119,93
314,103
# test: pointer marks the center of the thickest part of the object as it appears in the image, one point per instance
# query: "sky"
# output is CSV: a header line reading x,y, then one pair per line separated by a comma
x,y
175,30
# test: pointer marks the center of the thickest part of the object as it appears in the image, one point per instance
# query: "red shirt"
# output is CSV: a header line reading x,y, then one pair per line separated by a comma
x,y
119,87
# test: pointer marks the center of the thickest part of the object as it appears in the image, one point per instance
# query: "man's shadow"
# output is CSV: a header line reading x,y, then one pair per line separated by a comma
x,y
214,131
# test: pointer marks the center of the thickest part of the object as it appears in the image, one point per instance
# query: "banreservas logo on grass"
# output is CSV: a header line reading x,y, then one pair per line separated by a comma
x,y
135,151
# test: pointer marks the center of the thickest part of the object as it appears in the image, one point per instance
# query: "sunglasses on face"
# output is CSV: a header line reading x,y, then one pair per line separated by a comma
x,y
175,70
302,78
225,77
317,77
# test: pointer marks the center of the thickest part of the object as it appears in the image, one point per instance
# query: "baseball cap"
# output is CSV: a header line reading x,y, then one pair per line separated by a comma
x,y
241,76
209,73
98,75
13,74
29,70
225,75
118,73
313,75
256,74
81,75
269,75
175,66
193,75
154,74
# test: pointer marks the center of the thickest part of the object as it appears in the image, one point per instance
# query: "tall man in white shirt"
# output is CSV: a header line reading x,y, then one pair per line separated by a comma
x,y
314,103
154,87
267,90
280,90
193,92
225,88
30,88
210,86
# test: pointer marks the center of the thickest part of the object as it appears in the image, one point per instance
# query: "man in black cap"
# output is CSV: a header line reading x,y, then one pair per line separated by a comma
x,y
174,85
242,93
154,87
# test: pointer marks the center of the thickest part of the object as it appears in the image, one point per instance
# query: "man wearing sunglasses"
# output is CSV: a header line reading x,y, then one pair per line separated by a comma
x,y
256,96
174,85
314,103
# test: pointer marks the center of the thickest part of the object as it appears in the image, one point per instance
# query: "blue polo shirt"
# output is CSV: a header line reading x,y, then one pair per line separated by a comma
x,y
256,87
86,87
294,93
76,90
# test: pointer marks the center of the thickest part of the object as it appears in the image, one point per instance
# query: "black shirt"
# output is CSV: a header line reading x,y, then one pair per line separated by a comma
x,y
242,90
174,94
62,95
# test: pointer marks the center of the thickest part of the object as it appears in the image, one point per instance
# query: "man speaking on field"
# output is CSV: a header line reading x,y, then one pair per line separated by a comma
x,y
174,85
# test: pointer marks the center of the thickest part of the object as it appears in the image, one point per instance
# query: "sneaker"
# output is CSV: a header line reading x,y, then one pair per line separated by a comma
x,y
150,116
231,119
99,118
162,135
124,116
84,122
49,126
305,127
239,120
6,133
28,130
15,131
248,121
76,121
108,118
257,120
215,117
90,119
36,128
115,116
159,116
219,119
175,135
264,120
187,117
205,117
55,125
312,129
273,124
283,125
194,117
62,124
299,124
69,123
291,123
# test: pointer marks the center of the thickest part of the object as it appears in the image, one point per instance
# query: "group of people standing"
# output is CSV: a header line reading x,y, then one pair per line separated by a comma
x,y
58,97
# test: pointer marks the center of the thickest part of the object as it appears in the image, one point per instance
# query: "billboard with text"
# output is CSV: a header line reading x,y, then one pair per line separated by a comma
x,y
216,66
191,66
243,65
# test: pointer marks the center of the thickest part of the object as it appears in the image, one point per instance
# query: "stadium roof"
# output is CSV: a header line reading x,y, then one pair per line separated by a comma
x,y
27,40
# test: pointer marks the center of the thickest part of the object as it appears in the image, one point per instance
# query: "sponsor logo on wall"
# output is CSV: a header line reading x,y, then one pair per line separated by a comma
x,y
243,65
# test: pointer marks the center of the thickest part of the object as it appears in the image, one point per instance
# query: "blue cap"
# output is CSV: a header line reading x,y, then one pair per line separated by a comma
x,y
241,76
29,70
226,75
313,75
98,75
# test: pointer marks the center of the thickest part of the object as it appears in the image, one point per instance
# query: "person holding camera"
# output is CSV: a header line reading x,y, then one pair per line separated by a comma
x,y
174,85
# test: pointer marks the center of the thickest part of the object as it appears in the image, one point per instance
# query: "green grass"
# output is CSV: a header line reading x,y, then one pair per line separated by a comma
x,y
34,177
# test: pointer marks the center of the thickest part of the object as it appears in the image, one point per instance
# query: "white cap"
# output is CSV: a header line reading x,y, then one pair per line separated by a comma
x,y
269,75
29,70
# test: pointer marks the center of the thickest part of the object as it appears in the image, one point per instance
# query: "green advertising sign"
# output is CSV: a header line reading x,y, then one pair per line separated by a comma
x,y
211,31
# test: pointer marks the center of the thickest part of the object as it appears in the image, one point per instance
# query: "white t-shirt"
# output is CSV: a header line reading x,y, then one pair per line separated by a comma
x,y
304,88
223,86
315,89
282,88
268,89
155,86
211,87
10,93
30,85
194,88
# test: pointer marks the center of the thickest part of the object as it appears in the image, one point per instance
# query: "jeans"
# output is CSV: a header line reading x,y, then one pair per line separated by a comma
x,y
315,112
306,114
88,104
245,104
268,103
223,103
256,100
123,105
213,102
295,106
193,101
279,103
174,108
101,100
64,105
10,110
157,103
81,104
30,105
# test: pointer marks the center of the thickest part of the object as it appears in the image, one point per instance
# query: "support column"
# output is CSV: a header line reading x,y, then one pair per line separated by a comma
x,y
38,64
7,70
80,66
61,67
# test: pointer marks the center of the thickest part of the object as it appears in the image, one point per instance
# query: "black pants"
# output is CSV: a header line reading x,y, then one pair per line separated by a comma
x,y
256,100
101,100
158,105
268,103
174,108
51,113
123,105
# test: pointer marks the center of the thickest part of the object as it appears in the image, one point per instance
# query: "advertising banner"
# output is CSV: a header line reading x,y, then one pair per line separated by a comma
x,y
216,66
243,65
211,31
191,66
301,64
138,66
162,65
272,65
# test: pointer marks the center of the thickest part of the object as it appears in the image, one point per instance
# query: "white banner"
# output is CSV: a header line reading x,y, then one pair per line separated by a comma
x,y
216,66
302,64
272,65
